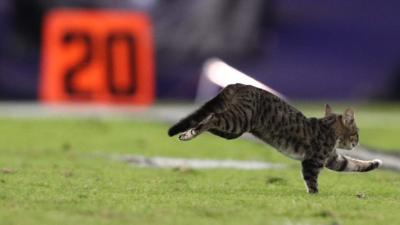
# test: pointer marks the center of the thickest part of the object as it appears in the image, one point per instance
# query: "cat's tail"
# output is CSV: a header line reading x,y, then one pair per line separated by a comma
x,y
215,105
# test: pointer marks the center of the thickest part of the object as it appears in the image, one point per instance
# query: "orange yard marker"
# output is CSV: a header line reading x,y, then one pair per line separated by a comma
x,y
97,56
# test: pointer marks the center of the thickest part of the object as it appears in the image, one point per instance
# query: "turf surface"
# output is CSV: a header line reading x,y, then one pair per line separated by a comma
x,y
55,172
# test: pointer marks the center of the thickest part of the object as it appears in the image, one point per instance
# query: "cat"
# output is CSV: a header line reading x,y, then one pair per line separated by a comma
x,y
240,108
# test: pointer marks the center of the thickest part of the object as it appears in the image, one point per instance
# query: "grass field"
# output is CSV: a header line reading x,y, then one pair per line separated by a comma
x,y
56,171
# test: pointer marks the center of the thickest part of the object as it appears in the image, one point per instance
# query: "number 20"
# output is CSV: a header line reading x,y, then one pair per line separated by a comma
x,y
71,37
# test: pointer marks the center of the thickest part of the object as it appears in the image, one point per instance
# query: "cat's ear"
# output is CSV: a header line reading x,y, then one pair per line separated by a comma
x,y
348,116
328,110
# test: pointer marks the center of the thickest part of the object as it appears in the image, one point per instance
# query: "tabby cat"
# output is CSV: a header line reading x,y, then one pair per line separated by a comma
x,y
242,108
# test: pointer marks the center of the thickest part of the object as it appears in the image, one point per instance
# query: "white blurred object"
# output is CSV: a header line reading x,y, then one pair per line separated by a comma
x,y
216,71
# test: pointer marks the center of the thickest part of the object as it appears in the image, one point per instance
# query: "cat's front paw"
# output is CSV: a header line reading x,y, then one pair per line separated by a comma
x,y
377,163
312,191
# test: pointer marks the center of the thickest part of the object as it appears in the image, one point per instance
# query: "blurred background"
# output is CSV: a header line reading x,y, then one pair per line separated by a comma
x,y
307,50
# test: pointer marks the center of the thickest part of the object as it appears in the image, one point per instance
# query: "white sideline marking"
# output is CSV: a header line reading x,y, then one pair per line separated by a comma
x,y
165,162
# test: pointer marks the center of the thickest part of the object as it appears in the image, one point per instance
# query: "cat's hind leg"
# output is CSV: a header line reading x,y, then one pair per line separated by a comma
x,y
224,134
198,129
220,124
343,163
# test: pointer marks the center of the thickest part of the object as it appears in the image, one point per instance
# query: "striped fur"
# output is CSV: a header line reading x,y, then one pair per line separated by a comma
x,y
242,108
346,164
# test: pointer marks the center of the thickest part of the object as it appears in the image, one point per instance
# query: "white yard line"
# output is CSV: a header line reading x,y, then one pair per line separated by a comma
x,y
182,163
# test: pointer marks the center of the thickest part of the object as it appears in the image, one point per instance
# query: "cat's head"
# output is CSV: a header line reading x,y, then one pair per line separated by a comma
x,y
345,128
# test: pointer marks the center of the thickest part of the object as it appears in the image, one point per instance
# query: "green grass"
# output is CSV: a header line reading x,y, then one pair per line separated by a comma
x,y
58,177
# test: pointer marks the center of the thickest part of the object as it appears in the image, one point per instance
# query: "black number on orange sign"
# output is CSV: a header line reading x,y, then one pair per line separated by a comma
x,y
69,38
112,40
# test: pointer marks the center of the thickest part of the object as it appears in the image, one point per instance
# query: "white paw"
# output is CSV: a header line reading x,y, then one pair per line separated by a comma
x,y
188,135
378,161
